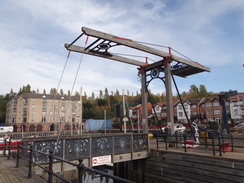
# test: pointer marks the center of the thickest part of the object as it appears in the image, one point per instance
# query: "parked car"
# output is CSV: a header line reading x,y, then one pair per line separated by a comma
x,y
177,128
239,128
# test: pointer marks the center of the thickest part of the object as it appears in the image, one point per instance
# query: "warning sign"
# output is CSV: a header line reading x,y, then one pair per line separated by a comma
x,y
101,160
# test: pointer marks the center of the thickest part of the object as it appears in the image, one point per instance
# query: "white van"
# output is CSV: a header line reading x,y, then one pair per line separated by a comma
x,y
6,129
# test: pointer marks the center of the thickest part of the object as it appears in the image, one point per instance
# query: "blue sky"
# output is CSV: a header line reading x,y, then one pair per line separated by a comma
x,y
33,34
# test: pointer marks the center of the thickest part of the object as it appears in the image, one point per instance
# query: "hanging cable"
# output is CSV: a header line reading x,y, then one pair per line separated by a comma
x,y
77,72
57,88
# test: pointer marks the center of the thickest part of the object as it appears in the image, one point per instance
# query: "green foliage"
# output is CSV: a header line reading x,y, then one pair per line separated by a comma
x,y
3,103
94,107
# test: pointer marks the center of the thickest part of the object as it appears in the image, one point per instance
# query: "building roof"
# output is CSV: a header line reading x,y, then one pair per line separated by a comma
x,y
47,96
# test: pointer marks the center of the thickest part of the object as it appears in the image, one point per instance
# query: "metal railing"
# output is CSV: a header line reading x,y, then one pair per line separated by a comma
x,y
220,143
80,166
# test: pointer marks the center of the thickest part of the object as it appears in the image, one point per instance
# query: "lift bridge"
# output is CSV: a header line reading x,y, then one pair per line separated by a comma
x,y
164,69
94,149
97,149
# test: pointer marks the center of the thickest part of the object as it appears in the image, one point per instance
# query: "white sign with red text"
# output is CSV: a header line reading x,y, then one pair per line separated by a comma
x,y
101,160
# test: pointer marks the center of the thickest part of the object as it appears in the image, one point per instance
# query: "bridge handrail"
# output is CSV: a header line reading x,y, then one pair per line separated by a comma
x,y
80,166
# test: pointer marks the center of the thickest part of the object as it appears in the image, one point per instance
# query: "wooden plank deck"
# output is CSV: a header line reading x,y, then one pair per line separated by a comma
x,y
10,174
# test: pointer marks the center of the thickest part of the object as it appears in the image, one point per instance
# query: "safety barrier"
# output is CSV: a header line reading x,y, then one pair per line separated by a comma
x,y
80,166
219,142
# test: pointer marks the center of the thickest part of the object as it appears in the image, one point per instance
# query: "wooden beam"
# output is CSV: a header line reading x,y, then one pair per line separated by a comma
x,y
103,55
132,44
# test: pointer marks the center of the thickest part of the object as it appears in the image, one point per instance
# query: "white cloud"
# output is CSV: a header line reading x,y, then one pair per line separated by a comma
x,y
33,34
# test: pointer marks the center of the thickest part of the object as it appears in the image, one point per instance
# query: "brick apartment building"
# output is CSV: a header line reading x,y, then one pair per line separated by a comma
x,y
39,112
206,110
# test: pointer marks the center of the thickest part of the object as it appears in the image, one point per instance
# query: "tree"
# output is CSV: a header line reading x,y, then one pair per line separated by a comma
x,y
28,89
61,92
203,91
100,94
106,93
53,91
194,92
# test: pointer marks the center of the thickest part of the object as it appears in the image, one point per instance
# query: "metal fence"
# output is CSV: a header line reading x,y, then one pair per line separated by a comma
x,y
220,143
51,159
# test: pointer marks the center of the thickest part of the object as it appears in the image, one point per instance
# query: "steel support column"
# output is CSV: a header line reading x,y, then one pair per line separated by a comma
x,y
168,86
144,102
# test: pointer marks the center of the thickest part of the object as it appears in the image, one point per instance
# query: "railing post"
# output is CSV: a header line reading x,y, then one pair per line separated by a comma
x,y
157,140
50,171
213,145
80,168
232,144
17,156
9,148
176,139
220,151
4,147
206,139
30,162
184,136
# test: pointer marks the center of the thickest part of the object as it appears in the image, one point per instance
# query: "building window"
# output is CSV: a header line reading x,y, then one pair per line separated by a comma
x,y
44,108
180,114
24,113
62,119
44,102
44,120
227,103
33,106
32,119
14,120
51,119
33,100
14,107
209,104
63,108
25,101
44,114
210,112
63,114
235,112
185,106
25,108
15,101
216,104
24,120
33,112
194,106
203,105
216,112
180,107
